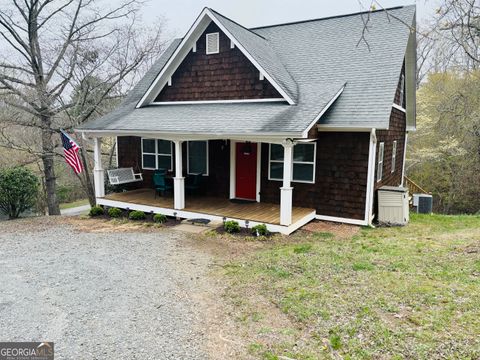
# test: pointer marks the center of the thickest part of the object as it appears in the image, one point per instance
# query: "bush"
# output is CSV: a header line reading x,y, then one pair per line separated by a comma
x,y
159,218
18,191
260,230
231,226
136,215
114,212
96,211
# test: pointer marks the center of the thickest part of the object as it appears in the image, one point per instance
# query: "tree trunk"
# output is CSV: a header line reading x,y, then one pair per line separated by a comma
x,y
49,172
88,185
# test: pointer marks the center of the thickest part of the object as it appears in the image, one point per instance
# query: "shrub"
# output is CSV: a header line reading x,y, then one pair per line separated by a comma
x,y
96,211
136,215
260,230
18,191
159,218
114,212
231,226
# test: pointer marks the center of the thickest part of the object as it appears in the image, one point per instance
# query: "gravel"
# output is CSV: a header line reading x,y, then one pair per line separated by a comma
x,y
101,295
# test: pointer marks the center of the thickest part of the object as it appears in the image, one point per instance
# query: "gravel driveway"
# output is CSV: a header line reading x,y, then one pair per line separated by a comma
x,y
100,295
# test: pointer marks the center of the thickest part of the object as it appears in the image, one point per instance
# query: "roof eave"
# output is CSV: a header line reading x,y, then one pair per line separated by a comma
x,y
186,44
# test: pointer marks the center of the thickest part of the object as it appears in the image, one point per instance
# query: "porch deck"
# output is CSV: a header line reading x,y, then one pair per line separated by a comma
x,y
255,212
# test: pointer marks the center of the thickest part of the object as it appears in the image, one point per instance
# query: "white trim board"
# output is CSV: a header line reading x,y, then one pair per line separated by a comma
x,y
341,220
286,230
274,138
233,101
187,43
398,107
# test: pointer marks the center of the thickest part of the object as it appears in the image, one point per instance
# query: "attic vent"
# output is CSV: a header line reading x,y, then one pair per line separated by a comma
x,y
213,43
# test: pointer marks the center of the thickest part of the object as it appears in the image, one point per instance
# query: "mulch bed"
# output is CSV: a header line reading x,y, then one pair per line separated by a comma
x,y
171,221
342,231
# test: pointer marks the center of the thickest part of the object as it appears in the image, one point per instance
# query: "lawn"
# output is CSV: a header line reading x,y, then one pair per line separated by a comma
x,y
74,204
389,293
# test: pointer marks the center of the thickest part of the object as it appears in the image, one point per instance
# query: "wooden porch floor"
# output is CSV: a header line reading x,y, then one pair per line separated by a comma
x,y
259,212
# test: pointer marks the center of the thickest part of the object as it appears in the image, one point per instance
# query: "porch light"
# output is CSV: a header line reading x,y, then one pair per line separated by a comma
x,y
246,223
247,148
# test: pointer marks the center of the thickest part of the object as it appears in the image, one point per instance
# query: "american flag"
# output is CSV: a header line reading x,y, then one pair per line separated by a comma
x,y
70,150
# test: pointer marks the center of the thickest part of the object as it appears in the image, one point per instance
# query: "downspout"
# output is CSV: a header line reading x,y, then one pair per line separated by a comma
x,y
370,178
404,158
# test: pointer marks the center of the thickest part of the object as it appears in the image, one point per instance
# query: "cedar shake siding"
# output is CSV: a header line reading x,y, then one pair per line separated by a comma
x,y
217,182
228,75
395,132
340,177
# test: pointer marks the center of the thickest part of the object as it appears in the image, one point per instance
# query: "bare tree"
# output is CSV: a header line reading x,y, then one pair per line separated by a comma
x,y
50,48
459,21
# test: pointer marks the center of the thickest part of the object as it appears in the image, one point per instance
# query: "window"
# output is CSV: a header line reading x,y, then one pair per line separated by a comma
x,y
197,157
394,155
381,148
156,154
402,91
212,43
303,162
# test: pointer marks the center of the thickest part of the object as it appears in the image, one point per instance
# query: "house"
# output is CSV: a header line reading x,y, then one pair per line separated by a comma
x,y
286,123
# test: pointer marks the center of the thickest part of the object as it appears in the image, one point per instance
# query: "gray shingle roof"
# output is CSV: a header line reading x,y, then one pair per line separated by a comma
x,y
263,53
319,58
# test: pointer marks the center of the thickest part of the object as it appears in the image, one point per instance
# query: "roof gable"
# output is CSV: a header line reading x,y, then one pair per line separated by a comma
x,y
223,76
332,70
262,57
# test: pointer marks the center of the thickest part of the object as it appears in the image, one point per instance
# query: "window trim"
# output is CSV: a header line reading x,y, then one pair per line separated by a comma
x,y
218,43
313,163
206,155
394,155
402,90
156,154
381,151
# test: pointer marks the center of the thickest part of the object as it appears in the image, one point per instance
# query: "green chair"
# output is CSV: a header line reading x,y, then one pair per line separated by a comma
x,y
160,185
193,183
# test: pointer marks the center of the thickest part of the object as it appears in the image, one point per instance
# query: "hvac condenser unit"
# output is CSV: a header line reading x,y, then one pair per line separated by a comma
x,y
393,205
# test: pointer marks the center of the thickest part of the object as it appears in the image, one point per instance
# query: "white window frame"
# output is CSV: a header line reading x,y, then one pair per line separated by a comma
x,y
188,157
381,153
402,90
217,34
313,163
394,155
157,154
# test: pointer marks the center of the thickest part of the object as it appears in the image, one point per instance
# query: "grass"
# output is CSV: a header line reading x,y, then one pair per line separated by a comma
x,y
73,204
410,292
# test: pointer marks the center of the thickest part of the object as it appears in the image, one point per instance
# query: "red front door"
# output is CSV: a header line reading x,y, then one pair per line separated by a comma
x,y
246,171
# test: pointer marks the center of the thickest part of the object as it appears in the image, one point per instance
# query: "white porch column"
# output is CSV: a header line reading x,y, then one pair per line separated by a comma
x,y
98,173
286,189
178,180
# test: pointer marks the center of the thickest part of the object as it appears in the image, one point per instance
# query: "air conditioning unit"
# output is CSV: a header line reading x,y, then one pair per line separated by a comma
x,y
423,203
393,205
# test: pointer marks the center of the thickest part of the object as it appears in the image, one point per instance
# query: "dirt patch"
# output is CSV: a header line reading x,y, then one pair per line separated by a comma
x,y
341,231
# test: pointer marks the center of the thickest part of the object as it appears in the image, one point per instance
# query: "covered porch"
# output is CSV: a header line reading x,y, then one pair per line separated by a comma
x,y
213,208
232,170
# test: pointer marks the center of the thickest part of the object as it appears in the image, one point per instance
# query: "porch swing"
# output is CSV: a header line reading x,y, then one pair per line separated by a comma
x,y
123,176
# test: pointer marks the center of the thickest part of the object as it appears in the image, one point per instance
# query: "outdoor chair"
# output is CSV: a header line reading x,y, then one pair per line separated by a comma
x,y
193,183
160,185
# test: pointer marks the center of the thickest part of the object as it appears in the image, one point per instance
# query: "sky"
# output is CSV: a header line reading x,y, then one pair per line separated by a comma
x,y
180,14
